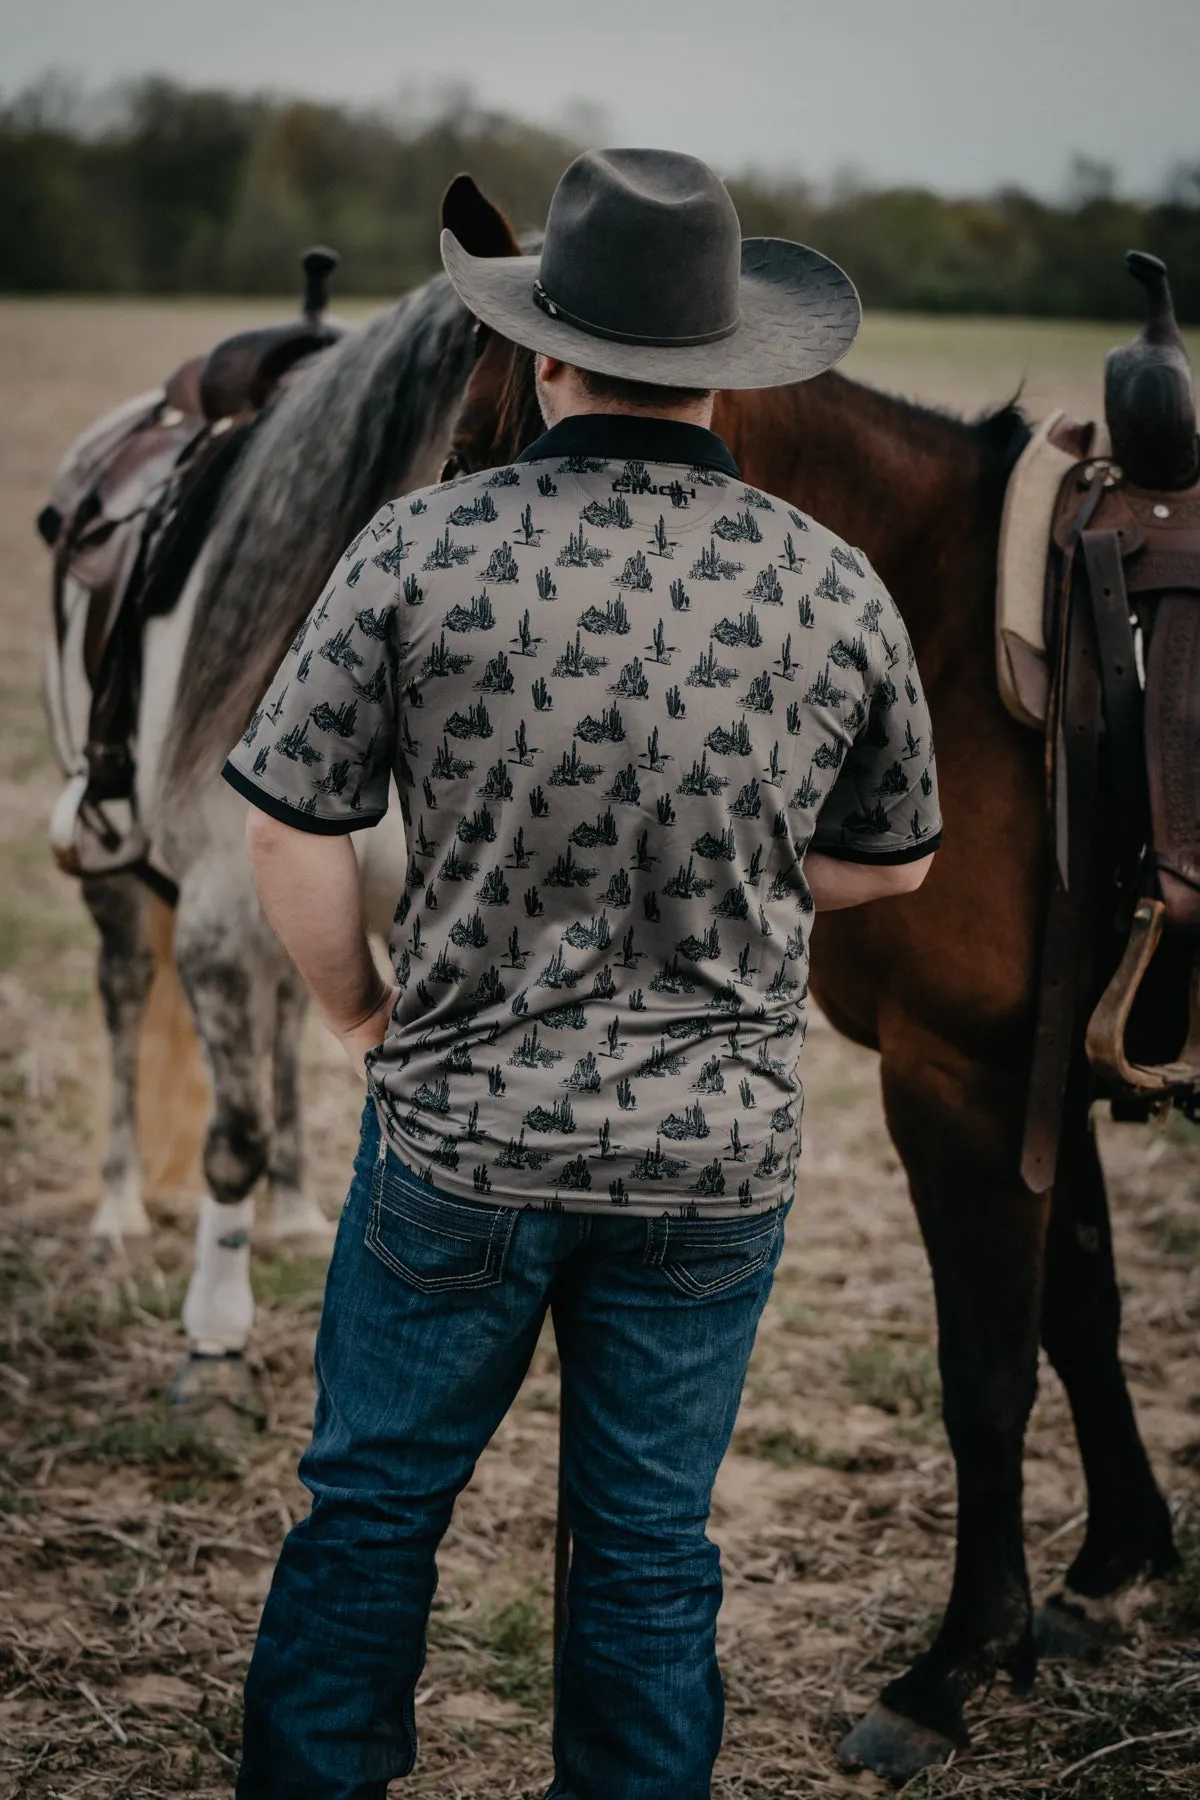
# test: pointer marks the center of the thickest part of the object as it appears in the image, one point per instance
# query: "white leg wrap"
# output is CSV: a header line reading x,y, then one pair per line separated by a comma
x,y
218,1313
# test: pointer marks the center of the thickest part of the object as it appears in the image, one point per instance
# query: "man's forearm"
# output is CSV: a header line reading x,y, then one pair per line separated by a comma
x,y
836,883
308,886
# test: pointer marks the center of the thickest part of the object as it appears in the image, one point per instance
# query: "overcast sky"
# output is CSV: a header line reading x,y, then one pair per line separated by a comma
x,y
961,95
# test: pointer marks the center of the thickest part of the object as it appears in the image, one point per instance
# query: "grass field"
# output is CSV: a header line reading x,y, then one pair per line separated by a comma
x,y
134,1558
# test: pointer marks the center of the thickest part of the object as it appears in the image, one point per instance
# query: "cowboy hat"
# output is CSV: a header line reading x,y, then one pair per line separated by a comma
x,y
644,274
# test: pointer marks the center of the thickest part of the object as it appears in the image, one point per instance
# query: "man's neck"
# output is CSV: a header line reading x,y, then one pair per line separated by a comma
x,y
698,412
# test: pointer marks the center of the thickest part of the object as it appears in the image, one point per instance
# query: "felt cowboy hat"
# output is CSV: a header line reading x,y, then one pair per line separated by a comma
x,y
644,273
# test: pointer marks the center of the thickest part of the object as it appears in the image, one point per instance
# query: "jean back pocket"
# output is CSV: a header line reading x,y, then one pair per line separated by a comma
x,y
702,1257
436,1244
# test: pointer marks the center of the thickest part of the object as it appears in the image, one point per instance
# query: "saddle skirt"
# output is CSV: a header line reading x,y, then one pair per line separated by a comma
x,y
1158,537
1098,646
127,516
1030,503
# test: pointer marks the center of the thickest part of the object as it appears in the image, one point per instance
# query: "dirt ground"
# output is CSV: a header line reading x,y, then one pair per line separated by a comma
x,y
134,1555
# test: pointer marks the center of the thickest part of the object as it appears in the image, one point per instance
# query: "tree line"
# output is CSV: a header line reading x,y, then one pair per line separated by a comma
x,y
188,190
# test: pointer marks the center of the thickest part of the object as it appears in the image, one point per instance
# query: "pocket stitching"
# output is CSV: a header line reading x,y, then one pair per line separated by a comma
x,y
491,1271
679,1275
494,1261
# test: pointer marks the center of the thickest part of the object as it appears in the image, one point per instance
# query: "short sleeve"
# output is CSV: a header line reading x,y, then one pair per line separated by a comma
x,y
318,752
883,807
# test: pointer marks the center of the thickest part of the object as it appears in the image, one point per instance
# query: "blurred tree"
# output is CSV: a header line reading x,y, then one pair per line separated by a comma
x,y
168,189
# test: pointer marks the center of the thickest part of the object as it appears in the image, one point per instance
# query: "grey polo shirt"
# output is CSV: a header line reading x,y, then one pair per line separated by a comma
x,y
621,695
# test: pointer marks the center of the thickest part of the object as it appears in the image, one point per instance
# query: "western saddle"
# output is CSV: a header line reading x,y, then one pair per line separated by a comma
x,y
1118,694
127,517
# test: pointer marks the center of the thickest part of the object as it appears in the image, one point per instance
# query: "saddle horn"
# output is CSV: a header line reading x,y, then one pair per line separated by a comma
x,y
1149,399
318,265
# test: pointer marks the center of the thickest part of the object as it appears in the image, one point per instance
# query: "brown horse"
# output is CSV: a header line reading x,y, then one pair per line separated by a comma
x,y
942,984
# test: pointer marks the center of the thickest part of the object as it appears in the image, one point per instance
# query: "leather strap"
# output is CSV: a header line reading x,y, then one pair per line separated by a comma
x,y
1077,737
158,883
1162,566
1122,695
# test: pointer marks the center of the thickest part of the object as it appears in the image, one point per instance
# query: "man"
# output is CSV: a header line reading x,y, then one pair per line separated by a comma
x,y
641,719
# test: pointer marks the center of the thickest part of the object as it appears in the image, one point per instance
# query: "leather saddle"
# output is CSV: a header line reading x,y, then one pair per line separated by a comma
x,y
127,516
1121,630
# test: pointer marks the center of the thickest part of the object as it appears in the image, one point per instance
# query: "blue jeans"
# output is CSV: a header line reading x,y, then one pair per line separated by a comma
x,y
432,1312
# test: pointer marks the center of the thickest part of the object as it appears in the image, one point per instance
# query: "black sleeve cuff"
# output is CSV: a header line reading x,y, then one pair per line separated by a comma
x,y
291,815
882,858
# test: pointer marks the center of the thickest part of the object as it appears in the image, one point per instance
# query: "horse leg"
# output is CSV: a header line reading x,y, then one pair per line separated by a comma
x,y
228,963
125,970
957,1125
296,1213
1129,1525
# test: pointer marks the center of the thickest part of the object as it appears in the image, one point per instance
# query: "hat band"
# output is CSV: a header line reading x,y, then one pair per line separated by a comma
x,y
553,310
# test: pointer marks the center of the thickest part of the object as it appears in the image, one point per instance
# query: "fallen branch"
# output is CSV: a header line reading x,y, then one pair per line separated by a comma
x,y
1150,1737
113,1724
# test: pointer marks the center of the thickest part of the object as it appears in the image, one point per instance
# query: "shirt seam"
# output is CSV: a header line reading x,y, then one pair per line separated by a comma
x,y
911,853
290,815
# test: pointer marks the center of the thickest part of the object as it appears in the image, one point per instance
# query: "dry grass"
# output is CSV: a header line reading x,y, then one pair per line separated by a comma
x,y
134,1558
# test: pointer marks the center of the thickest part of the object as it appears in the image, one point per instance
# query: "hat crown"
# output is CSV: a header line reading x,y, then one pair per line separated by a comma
x,y
645,246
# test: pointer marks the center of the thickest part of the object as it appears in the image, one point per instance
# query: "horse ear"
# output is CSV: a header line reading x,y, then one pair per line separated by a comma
x,y
479,226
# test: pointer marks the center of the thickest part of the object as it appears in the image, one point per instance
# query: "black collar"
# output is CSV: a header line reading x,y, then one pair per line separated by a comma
x,y
631,437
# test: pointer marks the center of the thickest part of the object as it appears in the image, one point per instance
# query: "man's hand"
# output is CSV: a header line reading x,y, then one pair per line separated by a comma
x,y
370,1032
308,885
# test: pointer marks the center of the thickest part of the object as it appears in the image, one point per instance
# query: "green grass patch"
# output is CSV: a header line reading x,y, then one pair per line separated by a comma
x,y
793,1315
69,1321
1181,1131
34,936
1174,1235
155,1442
1178,1606
11,1501
896,1377
791,1450
785,1448
289,1278
518,1638
1113,1714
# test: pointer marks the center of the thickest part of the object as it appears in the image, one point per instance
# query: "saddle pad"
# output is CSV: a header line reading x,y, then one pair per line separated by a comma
x,y
1029,502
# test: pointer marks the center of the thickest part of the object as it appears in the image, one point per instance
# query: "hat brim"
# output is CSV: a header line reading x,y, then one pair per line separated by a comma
x,y
800,314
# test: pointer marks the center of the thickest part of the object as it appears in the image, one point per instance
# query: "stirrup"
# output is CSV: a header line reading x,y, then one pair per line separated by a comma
x,y
1105,1040
87,839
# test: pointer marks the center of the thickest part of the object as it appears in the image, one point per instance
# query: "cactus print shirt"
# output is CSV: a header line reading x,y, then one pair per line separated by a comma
x,y
620,695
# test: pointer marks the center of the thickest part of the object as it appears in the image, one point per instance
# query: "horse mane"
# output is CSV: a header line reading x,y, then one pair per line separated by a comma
x,y
340,441
1001,436
997,437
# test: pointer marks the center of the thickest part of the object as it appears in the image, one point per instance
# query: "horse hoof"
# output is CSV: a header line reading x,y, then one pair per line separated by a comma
x,y
298,1222
105,1249
1068,1627
892,1746
112,1224
216,1395
117,1217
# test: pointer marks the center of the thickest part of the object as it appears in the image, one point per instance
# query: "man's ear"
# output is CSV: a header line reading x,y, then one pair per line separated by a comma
x,y
479,226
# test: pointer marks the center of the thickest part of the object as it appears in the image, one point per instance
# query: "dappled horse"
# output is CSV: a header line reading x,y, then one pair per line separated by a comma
x,y
144,707
944,985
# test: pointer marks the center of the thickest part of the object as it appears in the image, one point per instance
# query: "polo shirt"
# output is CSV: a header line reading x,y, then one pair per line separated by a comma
x,y
620,695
